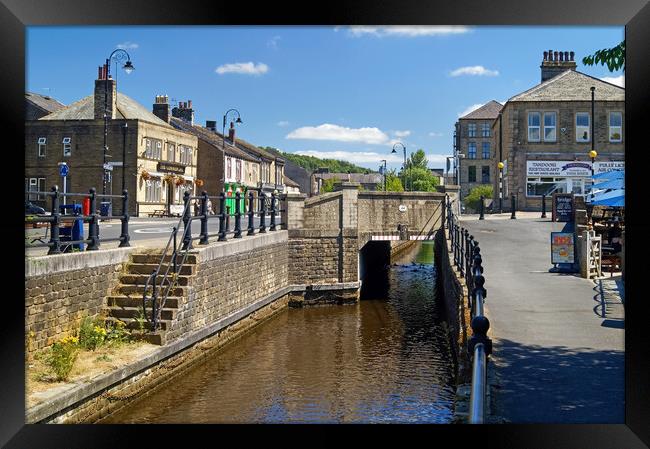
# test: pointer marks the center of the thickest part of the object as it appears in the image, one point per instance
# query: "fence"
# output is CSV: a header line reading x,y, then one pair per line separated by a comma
x,y
467,257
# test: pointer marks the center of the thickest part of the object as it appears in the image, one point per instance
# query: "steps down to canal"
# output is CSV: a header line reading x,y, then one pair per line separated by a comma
x,y
125,303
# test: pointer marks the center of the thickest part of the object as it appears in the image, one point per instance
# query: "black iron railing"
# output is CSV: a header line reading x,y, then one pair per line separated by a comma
x,y
164,278
468,260
61,237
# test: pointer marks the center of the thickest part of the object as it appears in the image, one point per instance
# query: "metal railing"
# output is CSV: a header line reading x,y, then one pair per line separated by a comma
x,y
177,251
58,245
467,257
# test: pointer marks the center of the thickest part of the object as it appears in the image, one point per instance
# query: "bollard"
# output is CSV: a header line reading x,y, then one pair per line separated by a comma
x,y
482,215
237,215
93,226
251,213
227,218
54,235
273,212
204,218
222,217
187,222
543,206
124,238
512,207
262,201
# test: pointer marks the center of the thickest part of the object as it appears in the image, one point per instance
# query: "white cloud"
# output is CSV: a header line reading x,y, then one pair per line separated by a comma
x,y
618,80
245,68
405,31
357,157
405,133
273,42
470,109
435,134
476,70
128,45
328,131
283,123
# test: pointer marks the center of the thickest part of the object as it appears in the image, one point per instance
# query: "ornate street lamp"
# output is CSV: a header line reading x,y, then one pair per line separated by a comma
x,y
384,172
500,165
118,55
592,154
404,169
223,129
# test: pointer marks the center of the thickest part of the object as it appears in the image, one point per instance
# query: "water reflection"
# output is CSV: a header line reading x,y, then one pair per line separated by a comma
x,y
384,360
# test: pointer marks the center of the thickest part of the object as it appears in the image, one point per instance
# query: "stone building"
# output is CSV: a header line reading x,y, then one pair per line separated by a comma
x,y
160,161
271,166
367,181
546,133
475,145
37,106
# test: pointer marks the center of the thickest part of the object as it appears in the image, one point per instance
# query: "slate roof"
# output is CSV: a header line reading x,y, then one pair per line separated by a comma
x,y
211,137
247,146
290,182
572,86
84,109
488,111
44,102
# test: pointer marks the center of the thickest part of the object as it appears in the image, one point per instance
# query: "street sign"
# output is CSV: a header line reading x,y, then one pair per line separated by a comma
x,y
63,170
108,167
402,208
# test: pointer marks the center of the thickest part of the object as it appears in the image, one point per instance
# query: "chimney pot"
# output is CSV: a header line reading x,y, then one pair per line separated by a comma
x,y
555,56
571,53
561,57
566,55
545,56
550,55
189,104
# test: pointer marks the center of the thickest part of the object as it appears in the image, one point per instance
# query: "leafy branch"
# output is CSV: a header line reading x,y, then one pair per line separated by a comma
x,y
613,57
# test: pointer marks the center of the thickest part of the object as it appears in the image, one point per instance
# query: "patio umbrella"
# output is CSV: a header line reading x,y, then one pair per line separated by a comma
x,y
614,198
611,184
614,174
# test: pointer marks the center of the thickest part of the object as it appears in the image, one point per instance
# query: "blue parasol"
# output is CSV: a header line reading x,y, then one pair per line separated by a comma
x,y
615,198
614,174
611,184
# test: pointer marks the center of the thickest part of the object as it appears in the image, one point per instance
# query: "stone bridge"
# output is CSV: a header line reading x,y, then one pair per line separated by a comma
x,y
329,234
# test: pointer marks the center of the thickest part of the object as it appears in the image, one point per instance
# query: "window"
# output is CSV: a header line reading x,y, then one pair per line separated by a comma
x,y
485,174
471,130
471,174
485,130
67,148
545,186
42,144
533,126
35,185
471,151
148,144
153,149
238,171
549,127
228,168
152,190
157,153
186,155
171,152
615,126
582,127
486,150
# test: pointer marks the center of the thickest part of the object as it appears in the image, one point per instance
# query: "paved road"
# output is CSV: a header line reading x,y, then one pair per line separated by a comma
x,y
557,359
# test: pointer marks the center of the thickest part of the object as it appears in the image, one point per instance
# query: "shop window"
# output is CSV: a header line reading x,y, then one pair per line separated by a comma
x,y
545,186
485,174
533,126
471,130
615,126
471,150
67,147
550,134
582,127
471,174
486,150
152,192
42,144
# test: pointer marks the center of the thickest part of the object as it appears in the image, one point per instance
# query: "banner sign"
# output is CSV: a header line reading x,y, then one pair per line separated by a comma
x,y
171,167
602,167
562,247
562,207
558,168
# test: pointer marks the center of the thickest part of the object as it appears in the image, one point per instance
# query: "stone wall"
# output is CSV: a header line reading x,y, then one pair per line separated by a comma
x,y
61,289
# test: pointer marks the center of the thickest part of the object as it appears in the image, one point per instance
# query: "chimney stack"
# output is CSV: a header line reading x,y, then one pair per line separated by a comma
x,y
184,111
231,133
105,95
556,62
161,108
211,125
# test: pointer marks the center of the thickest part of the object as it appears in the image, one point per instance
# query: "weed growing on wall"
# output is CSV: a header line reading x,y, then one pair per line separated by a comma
x,y
62,357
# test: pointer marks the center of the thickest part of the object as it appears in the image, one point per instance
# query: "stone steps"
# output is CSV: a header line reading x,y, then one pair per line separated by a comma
x,y
141,279
138,290
166,314
136,301
148,268
155,258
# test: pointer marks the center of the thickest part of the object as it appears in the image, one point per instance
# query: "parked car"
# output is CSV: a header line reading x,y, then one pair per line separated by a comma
x,y
33,209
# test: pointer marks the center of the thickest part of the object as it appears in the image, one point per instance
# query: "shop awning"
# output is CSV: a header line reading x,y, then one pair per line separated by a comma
x,y
611,184
614,174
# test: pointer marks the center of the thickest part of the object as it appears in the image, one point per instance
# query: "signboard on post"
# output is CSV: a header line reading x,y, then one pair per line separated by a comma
x,y
562,207
562,248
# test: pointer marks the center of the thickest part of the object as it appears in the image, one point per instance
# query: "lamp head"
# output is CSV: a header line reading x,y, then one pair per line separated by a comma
x,y
238,120
500,165
593,154
128,67
394,151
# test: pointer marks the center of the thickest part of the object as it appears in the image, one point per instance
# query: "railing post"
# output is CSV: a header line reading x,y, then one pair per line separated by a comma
x,y
543,206
237,215
469,275
54,234
251,213
222,217
154,320
272,227
461,259
93,227
456,245
482,215
174,232
512,207
227,218
124,238
187,222
204,218
262,212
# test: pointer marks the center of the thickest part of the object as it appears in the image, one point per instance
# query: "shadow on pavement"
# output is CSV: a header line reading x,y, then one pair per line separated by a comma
x,y
558,384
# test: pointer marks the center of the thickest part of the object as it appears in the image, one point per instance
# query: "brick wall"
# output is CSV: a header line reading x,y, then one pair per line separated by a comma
x,y
61,289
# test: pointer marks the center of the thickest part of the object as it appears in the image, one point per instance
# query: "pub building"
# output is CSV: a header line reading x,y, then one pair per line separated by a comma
x,y
159,163
544,134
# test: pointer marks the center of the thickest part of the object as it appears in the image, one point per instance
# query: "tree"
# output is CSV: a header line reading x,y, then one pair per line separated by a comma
x,y
421,179
417,159
473,199
328,184
393,183
613,57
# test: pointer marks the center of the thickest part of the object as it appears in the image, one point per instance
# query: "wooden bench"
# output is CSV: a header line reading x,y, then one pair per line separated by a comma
x,y
158,213
611,261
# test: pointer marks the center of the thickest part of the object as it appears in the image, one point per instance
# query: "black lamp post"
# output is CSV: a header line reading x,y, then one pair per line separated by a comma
x,y
500,165
124,129
395,151
384,161
223,127
118,55
592,153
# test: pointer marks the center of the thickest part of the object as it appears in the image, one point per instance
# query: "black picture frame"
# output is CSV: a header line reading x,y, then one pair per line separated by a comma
x,y
635,15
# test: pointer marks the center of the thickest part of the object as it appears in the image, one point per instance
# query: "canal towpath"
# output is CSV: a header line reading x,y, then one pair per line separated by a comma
x,y
558,338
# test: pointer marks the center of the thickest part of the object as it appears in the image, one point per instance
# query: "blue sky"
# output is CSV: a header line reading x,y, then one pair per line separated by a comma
x,y
344,92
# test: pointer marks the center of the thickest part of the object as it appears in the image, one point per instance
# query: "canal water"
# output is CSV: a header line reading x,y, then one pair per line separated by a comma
x,y
385,359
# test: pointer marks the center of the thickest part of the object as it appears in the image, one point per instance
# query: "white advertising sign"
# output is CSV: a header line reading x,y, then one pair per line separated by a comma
x,y
558,168
601,167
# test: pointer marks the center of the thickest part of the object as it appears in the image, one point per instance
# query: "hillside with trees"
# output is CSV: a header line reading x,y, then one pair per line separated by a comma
x,y
311,163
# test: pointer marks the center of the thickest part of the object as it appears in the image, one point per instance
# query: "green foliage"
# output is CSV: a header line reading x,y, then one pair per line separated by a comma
x,y
393,183
421,179
613,57
91,333
62,357
417,160
473,199
311,163
328,184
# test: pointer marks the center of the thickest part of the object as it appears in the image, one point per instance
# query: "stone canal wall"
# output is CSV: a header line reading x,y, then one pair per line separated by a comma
x,y
61,289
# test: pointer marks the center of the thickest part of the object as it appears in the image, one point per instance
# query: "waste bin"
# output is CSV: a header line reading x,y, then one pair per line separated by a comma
x,y
72,232
105,209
